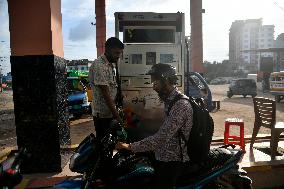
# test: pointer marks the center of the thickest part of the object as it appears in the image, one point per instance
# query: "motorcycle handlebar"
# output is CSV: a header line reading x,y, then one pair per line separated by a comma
x,y
118,129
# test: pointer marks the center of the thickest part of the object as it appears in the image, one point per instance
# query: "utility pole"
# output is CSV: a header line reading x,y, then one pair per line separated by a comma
x,y
1,69
1,75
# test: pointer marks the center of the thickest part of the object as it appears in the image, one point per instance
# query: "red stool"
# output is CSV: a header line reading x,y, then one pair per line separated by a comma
x,y
239,140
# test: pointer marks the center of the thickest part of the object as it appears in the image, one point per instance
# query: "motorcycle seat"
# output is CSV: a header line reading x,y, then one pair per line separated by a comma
x,y
217,158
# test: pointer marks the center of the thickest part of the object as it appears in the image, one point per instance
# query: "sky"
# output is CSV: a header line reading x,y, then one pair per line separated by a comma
x,y
79,36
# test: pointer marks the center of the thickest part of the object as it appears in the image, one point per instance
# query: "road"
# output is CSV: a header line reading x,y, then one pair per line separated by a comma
x,y
237,106
240,107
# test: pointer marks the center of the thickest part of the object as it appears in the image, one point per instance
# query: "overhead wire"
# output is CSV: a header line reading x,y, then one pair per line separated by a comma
x,y
277,5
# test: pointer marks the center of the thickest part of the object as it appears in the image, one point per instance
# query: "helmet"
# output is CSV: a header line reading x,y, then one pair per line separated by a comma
x,y
164,71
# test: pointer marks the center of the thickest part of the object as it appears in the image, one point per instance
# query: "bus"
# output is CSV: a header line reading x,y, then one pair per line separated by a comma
x,y
276,82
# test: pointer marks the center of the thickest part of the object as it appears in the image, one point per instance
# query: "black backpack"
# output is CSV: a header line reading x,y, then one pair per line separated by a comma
x,y
198,144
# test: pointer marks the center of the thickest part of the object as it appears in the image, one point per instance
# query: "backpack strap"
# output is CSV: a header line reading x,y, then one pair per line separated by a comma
x,y
181,137
179,140
172,102
180,134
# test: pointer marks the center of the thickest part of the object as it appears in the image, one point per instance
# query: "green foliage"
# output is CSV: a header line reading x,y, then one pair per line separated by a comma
x,y
224,69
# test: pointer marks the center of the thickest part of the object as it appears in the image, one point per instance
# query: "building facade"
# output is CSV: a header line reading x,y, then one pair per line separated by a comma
x,y
278,49
80,65
246,37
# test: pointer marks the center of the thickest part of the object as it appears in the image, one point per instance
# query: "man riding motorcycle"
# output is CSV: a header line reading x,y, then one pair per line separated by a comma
x,y
170,152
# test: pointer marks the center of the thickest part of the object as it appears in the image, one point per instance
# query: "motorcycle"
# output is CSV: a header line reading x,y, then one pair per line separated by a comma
x,y
102,168
10,174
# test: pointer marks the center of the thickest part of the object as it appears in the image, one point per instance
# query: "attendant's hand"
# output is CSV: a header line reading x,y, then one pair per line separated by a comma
x,y
117,117
119,120
121,145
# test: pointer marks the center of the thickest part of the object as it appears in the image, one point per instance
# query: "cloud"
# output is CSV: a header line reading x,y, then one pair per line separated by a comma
x,y
4,20
74,9
163,6
80,36
82,31
4,38
147,6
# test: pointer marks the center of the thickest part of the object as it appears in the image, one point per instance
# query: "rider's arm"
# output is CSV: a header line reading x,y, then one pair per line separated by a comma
x,y
180,114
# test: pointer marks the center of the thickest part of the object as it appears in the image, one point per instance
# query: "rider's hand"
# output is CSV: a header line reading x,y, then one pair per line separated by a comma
x,y
121,145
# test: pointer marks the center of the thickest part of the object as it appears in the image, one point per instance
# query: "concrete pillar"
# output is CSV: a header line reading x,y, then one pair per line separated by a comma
x,y
39,82
100,26
196,36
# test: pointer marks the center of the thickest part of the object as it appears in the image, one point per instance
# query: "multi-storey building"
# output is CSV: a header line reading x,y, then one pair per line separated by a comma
x,y
278,50
81,65
246,38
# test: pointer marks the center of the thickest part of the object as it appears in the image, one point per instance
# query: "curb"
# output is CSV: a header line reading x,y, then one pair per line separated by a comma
x,y
264,166
259,137
71,147
9,111
23,184
4,153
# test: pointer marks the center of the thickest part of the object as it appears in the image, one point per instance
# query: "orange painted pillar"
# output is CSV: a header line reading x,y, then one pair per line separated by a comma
x,y
35,27
196,36
39,82
100,26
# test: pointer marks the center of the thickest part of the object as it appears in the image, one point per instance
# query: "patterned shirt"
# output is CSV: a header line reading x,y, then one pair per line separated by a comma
x,y
165,143
102,72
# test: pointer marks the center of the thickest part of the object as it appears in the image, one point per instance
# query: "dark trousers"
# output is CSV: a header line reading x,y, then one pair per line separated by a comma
x,y
102,126
167,174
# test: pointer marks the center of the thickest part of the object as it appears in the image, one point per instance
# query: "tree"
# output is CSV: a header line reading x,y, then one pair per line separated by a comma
x,y
215,69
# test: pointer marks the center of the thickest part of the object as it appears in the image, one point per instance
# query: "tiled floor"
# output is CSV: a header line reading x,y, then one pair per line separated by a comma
x,y
260,154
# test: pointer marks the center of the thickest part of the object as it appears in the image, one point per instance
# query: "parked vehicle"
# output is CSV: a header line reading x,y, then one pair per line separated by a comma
x,y
10,174
218,81
242,86
83,76
197,87
252,76
102,169
78,103
276,82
